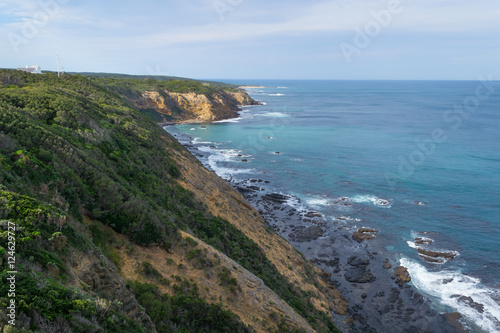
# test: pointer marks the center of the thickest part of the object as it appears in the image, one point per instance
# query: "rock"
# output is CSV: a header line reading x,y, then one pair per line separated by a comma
x,y
358,273
420,241
276,152
303,234
453,320
402,275
313,214
435,254
364,233
244,160
364,295
244,189
387,265
358,262
213,147
417,299
393,296
279,198
470,302
419,203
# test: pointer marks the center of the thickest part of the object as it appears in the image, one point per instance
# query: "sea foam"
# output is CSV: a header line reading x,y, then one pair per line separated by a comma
x,y
460,292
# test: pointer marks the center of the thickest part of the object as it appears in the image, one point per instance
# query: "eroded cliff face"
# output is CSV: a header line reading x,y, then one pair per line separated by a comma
x,y
192,107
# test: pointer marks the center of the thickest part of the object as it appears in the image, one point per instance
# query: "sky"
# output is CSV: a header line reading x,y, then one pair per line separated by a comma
x,y
257,39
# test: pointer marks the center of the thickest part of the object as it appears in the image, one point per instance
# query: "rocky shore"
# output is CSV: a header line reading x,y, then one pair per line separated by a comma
x,y
376,287
380,297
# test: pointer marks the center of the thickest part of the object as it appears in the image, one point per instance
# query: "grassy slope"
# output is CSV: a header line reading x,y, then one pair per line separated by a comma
x,y
75,147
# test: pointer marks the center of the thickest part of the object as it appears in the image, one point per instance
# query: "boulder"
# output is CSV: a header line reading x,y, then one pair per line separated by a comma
x,y
402,275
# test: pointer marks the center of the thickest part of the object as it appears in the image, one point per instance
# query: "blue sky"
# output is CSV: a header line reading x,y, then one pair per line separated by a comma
x,y
256,39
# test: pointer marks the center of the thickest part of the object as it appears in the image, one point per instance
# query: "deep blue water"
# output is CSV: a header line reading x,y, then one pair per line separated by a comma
x,y
369,141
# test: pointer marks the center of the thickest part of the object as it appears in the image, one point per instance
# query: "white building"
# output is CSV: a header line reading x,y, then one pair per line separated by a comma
x,y
35,69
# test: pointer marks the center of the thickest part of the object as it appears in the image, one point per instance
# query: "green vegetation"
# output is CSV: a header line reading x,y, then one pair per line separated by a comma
x,y
40,290
185,311
74,146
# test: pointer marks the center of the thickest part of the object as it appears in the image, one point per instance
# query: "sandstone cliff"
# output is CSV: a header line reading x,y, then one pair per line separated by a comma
x,y
193,107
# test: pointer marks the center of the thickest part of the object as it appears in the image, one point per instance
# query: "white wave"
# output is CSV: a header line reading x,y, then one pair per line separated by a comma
x,y
232,120
446,285
347,218
192,129
318,201
412,245
371,199
278,94
199,142
273,115
221,157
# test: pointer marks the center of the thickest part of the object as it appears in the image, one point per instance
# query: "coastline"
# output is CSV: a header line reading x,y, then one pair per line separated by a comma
x,y
380,298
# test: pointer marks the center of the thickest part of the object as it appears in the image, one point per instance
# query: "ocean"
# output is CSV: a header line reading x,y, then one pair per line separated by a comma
x,y
419,161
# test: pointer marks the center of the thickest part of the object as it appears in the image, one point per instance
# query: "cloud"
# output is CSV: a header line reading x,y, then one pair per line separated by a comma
x,y
440,16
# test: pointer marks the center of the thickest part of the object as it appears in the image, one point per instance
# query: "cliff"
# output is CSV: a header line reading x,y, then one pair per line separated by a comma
x,y
192,107
119,228
180,100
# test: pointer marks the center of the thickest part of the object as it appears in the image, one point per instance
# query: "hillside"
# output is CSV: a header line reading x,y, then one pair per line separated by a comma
x,y
119,228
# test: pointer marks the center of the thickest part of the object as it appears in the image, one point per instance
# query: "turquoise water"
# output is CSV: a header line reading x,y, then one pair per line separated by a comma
x,y
384,145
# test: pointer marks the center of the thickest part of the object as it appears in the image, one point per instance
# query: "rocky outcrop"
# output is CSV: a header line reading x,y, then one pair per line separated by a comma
x,y
192,107
402,275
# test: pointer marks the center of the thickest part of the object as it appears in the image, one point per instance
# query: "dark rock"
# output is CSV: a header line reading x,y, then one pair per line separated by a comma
x,y
359,274
275,197
244,190
470,302
364,295
435,254
359,262
413,329
417,299
302,234
387,265
313,214
393,296
244,160
421,241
